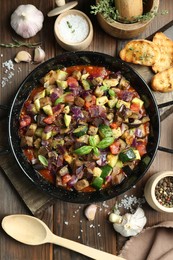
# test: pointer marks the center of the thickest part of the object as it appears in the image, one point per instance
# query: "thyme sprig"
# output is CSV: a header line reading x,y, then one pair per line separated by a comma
x,y
109,12
17,44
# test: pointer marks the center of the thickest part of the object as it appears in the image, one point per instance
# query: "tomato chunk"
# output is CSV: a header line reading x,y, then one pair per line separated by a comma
x,y
115,147
25,121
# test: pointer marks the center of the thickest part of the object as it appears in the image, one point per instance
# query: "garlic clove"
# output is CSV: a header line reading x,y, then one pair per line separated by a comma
x,y
39,55
90,212
115,218
23,56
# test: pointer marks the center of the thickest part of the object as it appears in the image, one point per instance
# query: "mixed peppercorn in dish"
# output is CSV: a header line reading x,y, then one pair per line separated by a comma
x,y
83,126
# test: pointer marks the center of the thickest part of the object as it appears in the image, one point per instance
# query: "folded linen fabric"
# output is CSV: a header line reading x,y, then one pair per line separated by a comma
x,y
153,243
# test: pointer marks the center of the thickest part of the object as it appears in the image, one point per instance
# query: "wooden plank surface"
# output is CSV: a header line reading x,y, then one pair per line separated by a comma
x,y
67,219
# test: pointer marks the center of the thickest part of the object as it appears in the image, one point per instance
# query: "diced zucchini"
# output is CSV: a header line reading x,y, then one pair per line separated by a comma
x,y
122,102
85,84
112,159
83,139
112,102
61,75
105,171
117,132
98,92
37,104
97,172
127,155
101,101
56,142
97,183
105,131
46,136
50,77
39,132
48,110
62,84
136,152
84,76
119,164
110,82
67,120
66,109
138,101
81,130
49,89
40,94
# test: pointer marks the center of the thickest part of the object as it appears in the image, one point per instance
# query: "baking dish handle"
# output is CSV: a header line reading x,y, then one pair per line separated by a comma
x,y
160,148
4,150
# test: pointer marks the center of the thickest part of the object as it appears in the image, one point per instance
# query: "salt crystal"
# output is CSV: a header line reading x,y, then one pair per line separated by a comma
x,y
66,222
73,28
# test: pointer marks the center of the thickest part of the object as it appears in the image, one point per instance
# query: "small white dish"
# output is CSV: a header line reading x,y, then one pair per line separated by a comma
x,y
65,38
149,191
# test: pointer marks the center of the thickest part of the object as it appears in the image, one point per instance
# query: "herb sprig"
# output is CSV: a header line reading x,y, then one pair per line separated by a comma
x,y
18,44
109,12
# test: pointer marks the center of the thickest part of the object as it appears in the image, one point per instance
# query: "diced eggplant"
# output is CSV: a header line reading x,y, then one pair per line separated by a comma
x,y
81,184
37,143
92,130
64,170
26,141
31,130
134,123
45,101
79,101
76,74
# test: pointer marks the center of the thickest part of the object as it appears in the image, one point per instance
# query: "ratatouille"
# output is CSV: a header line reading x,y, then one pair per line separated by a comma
x,y
82,126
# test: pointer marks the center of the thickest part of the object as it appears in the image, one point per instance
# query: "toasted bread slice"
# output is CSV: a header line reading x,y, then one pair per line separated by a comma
x,y
141,52
166,52
163,81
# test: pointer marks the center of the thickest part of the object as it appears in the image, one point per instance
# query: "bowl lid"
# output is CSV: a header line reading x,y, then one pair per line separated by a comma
x,y
61,9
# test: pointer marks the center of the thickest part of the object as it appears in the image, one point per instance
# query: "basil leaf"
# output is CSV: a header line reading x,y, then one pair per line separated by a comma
x,y
43,160
86,149
106,142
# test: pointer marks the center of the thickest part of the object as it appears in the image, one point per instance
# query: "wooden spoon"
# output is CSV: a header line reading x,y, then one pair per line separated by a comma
x,y
32,231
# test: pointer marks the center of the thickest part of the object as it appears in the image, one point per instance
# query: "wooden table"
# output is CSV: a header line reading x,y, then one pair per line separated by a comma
x,y
66,219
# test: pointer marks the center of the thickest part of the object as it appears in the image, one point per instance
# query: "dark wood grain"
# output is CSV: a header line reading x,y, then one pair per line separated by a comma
x,y
67,219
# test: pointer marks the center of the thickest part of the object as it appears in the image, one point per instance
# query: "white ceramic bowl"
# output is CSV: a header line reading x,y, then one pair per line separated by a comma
x,y
149,191
67,44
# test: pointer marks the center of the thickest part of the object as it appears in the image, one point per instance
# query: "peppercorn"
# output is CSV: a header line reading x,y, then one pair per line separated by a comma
x,y
164,192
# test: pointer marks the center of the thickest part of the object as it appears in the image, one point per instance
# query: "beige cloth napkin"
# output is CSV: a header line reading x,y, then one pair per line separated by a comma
x,y
154,243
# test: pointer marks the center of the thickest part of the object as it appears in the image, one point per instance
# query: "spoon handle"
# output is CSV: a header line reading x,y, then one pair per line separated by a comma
x,y
83,249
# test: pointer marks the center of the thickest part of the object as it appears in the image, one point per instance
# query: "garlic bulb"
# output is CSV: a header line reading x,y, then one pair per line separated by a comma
x,y
27,20
22,56
129,224
39,55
